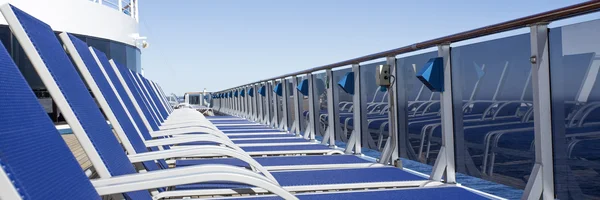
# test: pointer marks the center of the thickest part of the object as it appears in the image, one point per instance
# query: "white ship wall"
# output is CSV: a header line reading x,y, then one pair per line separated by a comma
x,y
81,17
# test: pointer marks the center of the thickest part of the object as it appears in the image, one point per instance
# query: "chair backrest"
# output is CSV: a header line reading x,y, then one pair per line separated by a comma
x,y
152,94
70,95
77,50
33,156
106,72
89,68
145,96
121,81
92,74
161,98
165,96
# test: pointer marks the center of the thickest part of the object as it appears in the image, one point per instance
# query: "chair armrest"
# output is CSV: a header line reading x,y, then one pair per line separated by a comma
x,y
186,130
200,151
187,175
191,138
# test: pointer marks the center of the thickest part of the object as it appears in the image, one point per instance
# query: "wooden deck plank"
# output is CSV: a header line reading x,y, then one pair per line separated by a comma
x,y
77,151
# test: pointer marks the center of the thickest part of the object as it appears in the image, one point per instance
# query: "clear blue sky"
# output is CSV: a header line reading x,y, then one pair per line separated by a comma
x,y
197,44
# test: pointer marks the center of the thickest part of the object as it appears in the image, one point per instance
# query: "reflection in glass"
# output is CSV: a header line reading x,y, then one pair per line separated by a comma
x,y
574,66
376,107
422,108
290,104
345,106
494,80
321,102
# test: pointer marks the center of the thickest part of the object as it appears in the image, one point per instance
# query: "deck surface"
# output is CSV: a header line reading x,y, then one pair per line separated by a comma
x,y
75,147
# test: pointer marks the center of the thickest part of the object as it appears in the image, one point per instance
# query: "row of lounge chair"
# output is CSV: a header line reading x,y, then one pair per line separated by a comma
x,y
153,151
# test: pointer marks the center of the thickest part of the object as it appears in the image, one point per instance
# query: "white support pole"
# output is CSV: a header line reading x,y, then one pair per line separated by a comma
x,y
240,105
267,103
137,14
259,103
275,117
445,164
234,103
399,89
252,102
313,120
283,125
230,103
248,101
541,182
255,102
391,154
359,113
225,103
296,126
333,126
244,102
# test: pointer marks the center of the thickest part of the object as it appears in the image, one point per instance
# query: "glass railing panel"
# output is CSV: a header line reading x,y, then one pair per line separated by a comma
x,y
575,89
303,107
321,102
279,101
267,108
290,103
376,108
421,108
492,90
302,116
344,107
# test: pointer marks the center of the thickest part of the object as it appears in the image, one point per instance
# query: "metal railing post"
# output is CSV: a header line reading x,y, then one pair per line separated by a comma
x,y
541,181
259,105
267,103
400,90
333,126
283,125
445,163
275,102
248,102
296,126
359,113
391,153
313,121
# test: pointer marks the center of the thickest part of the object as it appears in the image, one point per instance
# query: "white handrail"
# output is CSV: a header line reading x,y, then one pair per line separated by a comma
x,y
128,7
